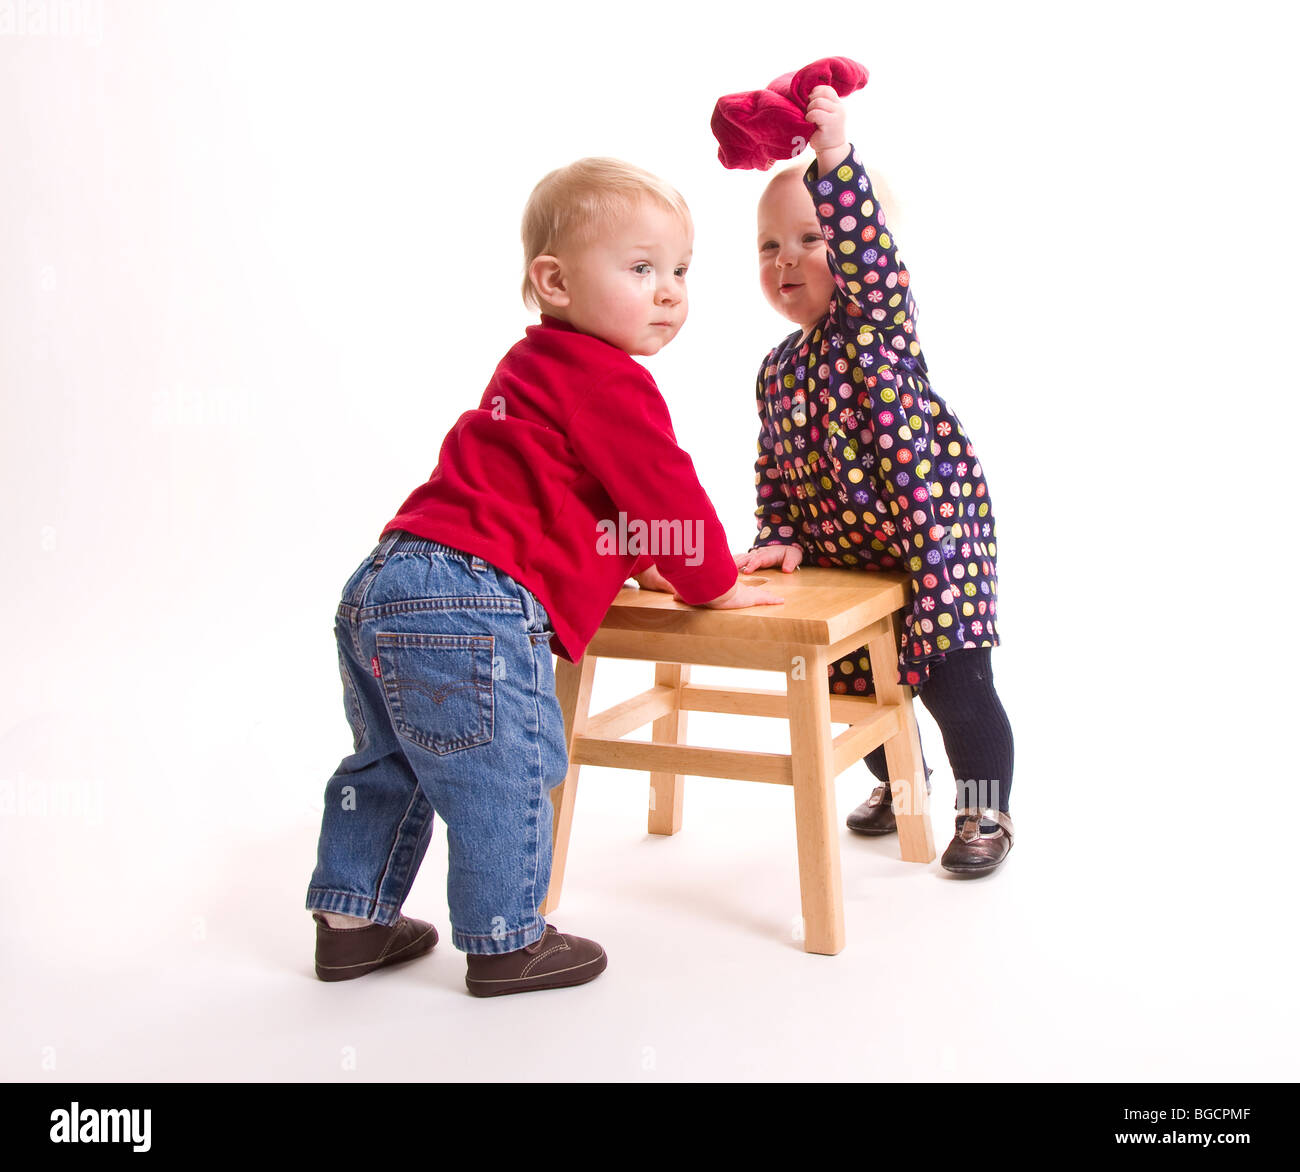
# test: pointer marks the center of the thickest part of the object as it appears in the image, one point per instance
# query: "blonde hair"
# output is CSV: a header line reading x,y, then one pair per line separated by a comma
x,y
572,204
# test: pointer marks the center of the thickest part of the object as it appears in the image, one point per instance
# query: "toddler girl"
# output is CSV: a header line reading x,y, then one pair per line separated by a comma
x,y
862,464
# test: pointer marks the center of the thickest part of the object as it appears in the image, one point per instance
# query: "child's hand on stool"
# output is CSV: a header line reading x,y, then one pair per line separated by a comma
x,y
742,595
739,596
787,557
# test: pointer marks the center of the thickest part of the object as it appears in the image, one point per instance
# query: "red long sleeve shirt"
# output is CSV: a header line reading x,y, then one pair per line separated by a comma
x,y
567,463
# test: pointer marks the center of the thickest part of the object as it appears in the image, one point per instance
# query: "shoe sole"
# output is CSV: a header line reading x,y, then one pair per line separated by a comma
x,y
544,981
345,973
872,830
969,870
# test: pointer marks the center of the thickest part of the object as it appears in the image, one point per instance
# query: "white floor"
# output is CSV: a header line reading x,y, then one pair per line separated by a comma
x,y
154,925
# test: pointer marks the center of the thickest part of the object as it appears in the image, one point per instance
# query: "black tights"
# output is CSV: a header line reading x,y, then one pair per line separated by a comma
x,y
976,732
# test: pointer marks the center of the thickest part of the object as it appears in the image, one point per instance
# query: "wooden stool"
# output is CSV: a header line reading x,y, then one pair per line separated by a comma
x,y
827,614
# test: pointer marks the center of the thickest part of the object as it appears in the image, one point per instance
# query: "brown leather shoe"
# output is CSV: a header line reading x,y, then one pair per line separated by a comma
x,y
553,961
974,853
344,953
876,814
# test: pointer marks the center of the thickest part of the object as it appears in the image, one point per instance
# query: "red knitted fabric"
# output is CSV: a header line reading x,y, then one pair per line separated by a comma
x,y
762,127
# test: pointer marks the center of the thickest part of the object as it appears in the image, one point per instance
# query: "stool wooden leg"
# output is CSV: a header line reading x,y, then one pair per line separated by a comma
x,y
666,789
813,766
573,691
903,750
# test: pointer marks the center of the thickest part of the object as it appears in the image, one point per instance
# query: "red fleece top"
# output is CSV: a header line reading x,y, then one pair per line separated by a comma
x,y
571,432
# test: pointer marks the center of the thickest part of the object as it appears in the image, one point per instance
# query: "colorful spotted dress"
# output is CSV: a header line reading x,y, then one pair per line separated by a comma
x,y
859,461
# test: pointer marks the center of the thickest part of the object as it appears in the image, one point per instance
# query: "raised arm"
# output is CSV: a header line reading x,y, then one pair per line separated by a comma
x,y
861,250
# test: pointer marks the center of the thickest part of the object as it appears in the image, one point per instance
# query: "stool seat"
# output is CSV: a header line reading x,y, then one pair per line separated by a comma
x,y
827,614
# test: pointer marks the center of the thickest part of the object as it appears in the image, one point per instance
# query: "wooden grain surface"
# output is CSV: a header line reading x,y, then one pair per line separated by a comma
x,y
821,606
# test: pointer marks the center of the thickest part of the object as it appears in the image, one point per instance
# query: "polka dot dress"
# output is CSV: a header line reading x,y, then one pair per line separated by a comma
x,y
860,462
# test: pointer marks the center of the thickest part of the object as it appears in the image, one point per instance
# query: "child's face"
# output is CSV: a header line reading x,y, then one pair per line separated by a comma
x,y
792,266
629,285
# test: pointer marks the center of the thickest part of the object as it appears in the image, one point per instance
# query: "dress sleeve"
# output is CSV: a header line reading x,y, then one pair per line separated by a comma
x,y
622,434
875,302
862,252
775,525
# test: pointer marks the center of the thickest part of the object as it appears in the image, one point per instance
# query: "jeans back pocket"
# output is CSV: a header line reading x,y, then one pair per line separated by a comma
x,y
438,688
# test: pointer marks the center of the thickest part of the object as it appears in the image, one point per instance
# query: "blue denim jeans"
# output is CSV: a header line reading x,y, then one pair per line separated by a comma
x,y
449,690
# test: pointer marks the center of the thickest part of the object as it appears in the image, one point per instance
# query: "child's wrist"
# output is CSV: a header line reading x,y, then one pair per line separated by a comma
x,y
724,597
828,158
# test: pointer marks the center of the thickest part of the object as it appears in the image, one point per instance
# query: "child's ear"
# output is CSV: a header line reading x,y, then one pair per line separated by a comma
x,y
549,280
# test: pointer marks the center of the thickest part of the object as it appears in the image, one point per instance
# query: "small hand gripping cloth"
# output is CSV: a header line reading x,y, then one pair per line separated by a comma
x,y
762,127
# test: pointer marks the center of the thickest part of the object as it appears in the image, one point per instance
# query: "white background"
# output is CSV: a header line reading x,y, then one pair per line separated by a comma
x,y
256,258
